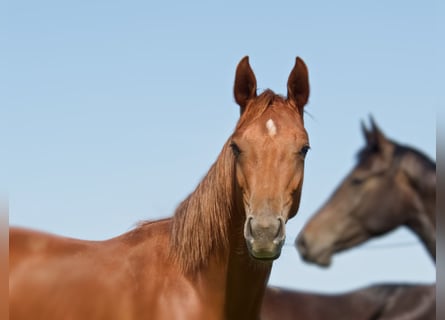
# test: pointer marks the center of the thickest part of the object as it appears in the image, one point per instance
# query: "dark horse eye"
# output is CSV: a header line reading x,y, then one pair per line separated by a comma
x,y
356,181
304,150
235,149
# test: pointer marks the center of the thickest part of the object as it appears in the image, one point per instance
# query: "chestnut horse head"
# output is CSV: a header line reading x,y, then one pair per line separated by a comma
x,y
255,184
391,185
269,147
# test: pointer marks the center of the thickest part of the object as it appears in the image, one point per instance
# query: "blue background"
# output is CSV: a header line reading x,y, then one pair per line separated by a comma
x,y
113,111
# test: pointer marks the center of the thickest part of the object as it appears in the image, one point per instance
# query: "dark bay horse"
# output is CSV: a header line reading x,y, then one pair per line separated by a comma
x,y
211,260
407,196
376,302
391,185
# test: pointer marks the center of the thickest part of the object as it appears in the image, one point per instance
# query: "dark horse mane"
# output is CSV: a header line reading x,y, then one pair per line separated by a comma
x,y
201,221
419,167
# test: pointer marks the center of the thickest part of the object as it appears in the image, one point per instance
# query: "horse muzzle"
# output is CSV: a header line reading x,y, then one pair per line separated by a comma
x,y
264,236
310,253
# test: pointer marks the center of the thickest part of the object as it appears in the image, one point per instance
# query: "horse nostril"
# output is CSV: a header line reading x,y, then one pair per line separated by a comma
x,y
281,232
260,229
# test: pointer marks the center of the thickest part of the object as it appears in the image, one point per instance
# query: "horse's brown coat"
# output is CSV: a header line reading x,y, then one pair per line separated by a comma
x,y
377,302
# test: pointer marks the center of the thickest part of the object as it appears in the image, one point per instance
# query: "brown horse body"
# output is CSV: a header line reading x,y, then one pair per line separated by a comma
x,y
128,277
121,278
212,260
382,301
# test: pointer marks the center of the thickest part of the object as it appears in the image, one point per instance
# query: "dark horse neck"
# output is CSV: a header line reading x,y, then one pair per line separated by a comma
x,y
208,231
421,173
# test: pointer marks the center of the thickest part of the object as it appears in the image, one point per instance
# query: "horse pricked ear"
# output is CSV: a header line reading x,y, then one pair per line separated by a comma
x,y
298,84
378,140
377,134
366,133
245,83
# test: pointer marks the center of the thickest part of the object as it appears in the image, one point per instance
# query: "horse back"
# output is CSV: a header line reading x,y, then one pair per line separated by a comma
x,y
126,277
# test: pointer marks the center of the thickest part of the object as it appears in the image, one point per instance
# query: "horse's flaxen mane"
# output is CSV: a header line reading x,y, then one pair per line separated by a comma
x,y
201,221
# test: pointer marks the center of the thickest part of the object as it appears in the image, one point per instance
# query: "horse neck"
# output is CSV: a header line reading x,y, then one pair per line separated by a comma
x,y
246,278
421,173
424,227
207,239
201,222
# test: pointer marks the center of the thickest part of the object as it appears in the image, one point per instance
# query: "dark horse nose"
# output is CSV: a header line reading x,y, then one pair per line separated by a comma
x,y
301,245
265,236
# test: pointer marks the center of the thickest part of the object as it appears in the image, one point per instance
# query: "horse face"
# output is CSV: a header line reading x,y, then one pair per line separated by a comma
x,y
368,202
269,147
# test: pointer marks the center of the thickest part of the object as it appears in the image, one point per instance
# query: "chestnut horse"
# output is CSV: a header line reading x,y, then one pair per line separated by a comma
x,y
211,260
390,186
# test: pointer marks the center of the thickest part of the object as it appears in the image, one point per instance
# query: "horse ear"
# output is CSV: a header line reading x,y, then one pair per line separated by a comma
x,y
378,139
376,132
245,83
298,84
366,133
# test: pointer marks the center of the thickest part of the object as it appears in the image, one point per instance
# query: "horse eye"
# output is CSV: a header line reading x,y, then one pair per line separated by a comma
x,y
356,181
235,149
304,150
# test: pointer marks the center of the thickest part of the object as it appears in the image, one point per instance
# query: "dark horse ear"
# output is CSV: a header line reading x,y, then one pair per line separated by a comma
x,y
245,83
378,140
377,135
298,84
366,133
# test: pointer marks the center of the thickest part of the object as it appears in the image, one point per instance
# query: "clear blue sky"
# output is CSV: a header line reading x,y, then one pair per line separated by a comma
x,y
114,110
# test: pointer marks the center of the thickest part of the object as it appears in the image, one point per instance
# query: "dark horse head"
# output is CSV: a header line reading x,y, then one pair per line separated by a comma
x,y
391,185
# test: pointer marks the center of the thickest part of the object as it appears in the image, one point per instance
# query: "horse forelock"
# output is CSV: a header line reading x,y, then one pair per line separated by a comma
x,y
257,106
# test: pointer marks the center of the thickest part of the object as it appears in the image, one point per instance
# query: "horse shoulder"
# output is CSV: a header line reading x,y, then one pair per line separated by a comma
x,y
55,276
126,277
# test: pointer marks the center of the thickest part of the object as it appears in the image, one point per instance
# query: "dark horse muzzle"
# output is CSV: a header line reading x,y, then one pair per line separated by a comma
x,y
264,236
